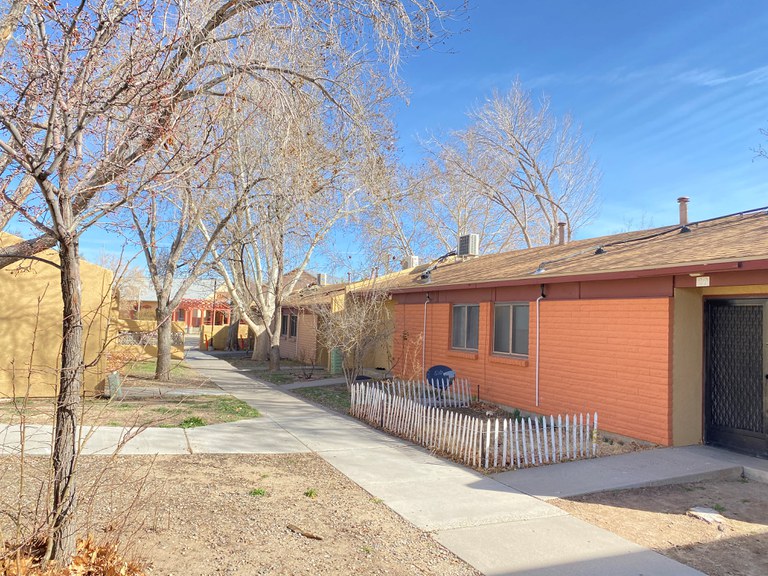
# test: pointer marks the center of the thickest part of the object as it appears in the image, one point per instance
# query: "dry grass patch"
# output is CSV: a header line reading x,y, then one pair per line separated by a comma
x,y
162,411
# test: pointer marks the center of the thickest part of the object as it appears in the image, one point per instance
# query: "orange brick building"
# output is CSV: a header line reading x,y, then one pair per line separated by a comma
x,y
663,332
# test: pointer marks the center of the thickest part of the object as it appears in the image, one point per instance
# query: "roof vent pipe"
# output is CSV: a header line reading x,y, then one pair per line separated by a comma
x,y
683,202
561,233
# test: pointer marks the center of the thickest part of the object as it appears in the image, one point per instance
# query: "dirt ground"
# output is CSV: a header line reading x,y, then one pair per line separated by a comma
x,y
165,411
290,370
656,518
230,515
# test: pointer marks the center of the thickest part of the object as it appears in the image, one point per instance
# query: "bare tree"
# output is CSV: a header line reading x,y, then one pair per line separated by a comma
x,y
309,165
534,166
166,223
438,204
90,89
511,177
190,187
356,323
129,281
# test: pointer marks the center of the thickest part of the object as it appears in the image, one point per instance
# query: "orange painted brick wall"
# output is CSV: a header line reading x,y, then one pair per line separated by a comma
x,y
612,356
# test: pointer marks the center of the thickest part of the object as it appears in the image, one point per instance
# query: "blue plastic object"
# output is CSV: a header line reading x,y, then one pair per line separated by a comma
x,y
440,376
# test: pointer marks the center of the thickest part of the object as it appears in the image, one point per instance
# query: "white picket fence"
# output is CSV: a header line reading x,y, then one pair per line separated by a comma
x,y
450,395
477,442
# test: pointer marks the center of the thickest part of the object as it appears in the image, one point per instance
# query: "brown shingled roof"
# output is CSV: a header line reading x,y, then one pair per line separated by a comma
x,y
734,238
313,295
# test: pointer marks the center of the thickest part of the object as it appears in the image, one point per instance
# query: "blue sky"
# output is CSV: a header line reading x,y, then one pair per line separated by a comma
x,y
673,94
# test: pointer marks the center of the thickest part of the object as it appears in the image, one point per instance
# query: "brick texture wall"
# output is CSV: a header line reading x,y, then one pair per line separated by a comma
x,y
607,355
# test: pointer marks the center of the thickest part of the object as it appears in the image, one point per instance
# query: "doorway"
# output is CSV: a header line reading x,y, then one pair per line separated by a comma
x,y
736,406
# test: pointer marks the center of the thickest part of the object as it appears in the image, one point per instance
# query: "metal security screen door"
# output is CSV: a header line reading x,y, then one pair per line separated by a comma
x,y
735,412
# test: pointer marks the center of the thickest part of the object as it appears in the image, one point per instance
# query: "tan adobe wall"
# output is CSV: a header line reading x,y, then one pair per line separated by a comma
x,y
687,367
30,327
612,356
303,346
133,352
382,356
220,334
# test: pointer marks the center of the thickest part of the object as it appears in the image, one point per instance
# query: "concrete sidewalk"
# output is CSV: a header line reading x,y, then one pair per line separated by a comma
x,y
500,524
495,527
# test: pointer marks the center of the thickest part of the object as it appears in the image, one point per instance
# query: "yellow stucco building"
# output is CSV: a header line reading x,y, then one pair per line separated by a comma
x,y
30,325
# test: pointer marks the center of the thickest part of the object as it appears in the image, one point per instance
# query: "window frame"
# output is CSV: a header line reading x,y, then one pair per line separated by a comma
x,y
284,324
510,353
465,307
293,325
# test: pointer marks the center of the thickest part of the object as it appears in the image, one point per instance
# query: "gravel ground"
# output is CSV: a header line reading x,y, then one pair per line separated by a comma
x,y
230,515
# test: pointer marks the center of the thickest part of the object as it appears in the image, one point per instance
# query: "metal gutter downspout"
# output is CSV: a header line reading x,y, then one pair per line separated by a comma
x,y
424,341
538,339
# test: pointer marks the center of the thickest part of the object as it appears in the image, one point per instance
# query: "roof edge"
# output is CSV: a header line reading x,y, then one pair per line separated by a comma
x,y
724,265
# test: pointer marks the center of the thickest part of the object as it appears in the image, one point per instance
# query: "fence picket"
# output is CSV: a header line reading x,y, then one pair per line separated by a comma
x,y
399,416
552,435
453,430
533,446
594,436
443,428
504,444
419,412
472,456
575,438
586,435
538,439
522,437
479,441
462,437
429,427
448,422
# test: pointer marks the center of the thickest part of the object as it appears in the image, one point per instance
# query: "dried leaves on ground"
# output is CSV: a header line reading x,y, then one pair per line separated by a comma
x,y
90,559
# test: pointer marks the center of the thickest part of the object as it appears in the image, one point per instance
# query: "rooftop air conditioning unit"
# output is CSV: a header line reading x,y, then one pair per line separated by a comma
x,y
322,279
410,261
469,245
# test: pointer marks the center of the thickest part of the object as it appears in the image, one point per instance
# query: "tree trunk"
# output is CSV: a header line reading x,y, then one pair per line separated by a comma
x,y
260,346
233,340
164,343
61,545
274,343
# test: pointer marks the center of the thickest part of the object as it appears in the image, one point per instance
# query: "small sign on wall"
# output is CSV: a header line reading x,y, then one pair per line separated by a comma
x,y
702,281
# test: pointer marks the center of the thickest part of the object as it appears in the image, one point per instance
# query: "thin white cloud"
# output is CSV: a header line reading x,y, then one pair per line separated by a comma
x,y
712,77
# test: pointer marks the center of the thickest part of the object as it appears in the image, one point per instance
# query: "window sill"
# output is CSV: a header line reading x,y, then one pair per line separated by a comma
x,y
468,354
509,360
